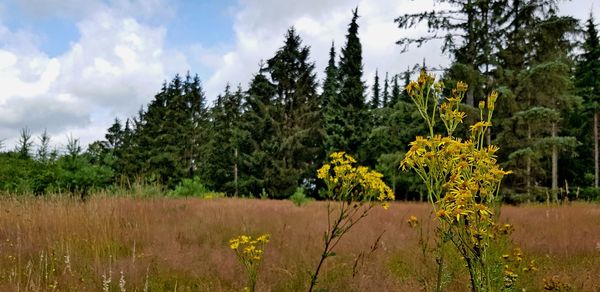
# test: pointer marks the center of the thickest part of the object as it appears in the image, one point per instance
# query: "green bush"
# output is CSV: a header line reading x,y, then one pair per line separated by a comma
x,y
299,198
590,194
264,195
190,188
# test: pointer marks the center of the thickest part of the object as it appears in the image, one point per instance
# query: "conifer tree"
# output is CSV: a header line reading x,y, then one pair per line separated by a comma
x,y
24,144
395,92
258,126
537,98
329,96
43,152
471,34
222,151
386,91
587,79
375,100
350,125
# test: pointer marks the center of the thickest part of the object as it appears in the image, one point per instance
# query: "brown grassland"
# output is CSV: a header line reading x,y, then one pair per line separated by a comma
x,y
167,244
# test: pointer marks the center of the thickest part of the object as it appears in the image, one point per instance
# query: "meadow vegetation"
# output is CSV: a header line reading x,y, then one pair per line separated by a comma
x,y
168,243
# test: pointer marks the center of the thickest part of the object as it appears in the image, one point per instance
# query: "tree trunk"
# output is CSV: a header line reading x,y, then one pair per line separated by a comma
x,y
554,164
595,148
235,171
528,159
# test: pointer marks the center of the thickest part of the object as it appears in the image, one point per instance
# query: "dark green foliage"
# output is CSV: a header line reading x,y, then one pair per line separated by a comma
x,y
282,120
386,92
375,99
395,92
190,188
166,143
347,118
221,169
271,138
72,173
584,125
24,144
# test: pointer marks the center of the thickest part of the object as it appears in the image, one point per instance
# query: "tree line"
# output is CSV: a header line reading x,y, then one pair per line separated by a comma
x,y
271,136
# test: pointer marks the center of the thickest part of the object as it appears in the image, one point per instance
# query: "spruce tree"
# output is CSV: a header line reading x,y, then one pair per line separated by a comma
x,y
222,151
350,125
258,126
329,96
386,92
471,33
395,92
299,123
375,100
24,144
538,98
43,152
587,80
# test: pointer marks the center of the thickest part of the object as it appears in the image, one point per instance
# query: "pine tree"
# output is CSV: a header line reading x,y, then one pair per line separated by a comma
x,y
258,126
587,80
24,144
386,91
375,101
349,126
43,152
297,104
222,151
331,83
537,98
329,97
395,92
471,34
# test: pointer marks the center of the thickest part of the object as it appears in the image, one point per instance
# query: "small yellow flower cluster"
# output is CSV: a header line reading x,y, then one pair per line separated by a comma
x,y
249,252
555,284
346,182
248,248
413,221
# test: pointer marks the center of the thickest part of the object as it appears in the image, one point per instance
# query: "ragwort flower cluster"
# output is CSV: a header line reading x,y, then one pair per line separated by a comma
x,y
345,182
249,252
352,191
462,177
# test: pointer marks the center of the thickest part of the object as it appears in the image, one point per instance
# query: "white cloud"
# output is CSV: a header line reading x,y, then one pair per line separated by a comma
x,y
119,60
260,27
116,65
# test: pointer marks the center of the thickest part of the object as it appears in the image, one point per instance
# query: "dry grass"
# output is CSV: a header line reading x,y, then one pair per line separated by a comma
x,y
181,244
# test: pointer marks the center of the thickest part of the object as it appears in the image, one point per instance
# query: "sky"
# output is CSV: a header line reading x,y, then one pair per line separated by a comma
x,y
69,67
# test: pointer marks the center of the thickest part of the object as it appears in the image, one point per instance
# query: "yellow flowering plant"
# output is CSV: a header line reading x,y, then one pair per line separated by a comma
x,y
249,252
462,177
352,191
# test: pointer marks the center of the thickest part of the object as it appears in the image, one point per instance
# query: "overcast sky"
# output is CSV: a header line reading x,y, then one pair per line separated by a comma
x,y
72,66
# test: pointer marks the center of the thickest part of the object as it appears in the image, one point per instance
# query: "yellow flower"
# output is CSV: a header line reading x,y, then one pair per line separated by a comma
x,y
461,86
413,221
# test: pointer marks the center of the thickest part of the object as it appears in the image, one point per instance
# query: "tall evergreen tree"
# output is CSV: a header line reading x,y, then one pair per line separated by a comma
x,y
297,104
538,95
24,144
43,152
349,126
386,91
587,80
375,100
396,92
258,126
223,147
471,34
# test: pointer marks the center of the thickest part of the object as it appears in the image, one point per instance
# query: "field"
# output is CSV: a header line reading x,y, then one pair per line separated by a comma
x,y
182,244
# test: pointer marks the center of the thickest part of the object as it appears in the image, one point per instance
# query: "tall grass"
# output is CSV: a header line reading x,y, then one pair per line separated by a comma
x,y
157,244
